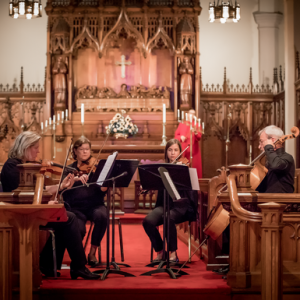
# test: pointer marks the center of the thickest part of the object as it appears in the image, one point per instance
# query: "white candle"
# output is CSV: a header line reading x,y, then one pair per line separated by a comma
x,y
182,116
164,113
50,121
195,120
186,117
62,115
178,114
58,117
67,114
82,113
199,123
250,148
203,127
54,118
42,126
191,118
46,124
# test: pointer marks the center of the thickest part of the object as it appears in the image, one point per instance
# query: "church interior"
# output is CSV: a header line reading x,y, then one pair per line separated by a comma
x,y
129,76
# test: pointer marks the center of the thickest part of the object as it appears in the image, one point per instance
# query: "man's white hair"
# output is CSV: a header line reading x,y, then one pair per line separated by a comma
x,y
272,131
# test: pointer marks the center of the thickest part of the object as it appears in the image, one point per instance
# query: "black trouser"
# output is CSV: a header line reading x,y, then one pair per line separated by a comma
x,y
155,218
98,215
67,236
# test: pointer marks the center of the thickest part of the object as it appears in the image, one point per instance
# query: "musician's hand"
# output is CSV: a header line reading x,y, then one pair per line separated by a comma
x,y
68,182
84,178
53,202
183,138
179,163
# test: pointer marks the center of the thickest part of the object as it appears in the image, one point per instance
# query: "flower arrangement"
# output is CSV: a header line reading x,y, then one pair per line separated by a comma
x,y
120,126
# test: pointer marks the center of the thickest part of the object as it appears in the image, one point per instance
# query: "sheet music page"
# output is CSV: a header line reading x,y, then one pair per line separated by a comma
x,y
194,179
107,167
172,185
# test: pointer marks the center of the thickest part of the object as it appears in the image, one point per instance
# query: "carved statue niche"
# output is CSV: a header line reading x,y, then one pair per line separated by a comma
x,y
186,37
60,36
60,70
186,71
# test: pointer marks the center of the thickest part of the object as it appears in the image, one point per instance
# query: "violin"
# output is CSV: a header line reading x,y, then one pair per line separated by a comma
x,y
88,166
54,167
184,161
259,170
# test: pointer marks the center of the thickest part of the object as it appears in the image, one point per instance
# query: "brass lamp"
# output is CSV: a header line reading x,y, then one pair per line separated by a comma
x,y
29,9
224,12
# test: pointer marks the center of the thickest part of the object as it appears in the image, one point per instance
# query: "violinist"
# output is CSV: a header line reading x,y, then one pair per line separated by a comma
x,y
87,203
177,214
280,165
67,235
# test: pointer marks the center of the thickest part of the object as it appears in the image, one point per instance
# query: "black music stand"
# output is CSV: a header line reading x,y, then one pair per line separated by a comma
x,y
128,168
151,180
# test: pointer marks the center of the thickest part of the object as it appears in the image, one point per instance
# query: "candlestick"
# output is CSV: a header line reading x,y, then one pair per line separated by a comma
x,y
46,124
164,138
82,113
54,119
62,116
195,120
42,126
58,117
186,117
50,121
164,113
191,118
182,116
202,127
199,123
67,115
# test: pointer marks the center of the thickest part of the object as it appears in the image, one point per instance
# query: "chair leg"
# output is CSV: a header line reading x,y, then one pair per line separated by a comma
x,y
189,240
54,253
151,253
121,240
88,236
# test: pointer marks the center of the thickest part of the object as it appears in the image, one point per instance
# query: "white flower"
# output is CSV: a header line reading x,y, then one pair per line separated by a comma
x,y
115,130
123,111
127,119
121,128
130,130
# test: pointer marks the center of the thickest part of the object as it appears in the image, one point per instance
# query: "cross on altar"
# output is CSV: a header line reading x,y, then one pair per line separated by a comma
x,y
123,63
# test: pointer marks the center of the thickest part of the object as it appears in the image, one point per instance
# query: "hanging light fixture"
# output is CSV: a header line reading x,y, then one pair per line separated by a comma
x,y
224,12
29,9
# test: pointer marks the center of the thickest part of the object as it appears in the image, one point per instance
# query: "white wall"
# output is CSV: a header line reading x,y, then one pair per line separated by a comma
x,y
23,43
232,45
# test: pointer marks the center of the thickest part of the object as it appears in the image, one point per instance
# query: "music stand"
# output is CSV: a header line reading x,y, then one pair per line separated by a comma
x,y
151,180
128,168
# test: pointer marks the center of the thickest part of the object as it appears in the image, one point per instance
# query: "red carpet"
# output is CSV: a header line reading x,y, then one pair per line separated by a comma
x,y
199,284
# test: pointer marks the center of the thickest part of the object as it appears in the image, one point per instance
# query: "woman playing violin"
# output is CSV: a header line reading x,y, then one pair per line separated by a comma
x,y
87,203
177,214
280,165
67,235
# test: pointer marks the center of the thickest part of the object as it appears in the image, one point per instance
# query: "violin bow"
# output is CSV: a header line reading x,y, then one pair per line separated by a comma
x,y
98,154
63,170
180,154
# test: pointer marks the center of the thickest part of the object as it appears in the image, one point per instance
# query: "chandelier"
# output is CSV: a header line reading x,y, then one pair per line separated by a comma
x,y
28,9
224,12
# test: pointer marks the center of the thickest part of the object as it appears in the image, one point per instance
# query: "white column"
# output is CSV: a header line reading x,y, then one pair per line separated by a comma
x,y
289,60
268,23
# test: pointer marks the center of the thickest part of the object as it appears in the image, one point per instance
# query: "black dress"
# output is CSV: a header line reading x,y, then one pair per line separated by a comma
x,y
67,235
87,203
180,211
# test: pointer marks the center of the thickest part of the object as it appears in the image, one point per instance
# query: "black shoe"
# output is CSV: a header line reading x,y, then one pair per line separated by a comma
x,y
222,271
49,272
85,273
174,260
93,263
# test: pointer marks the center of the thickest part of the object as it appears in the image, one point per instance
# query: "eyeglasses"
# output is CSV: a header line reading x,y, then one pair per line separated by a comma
x,y
83,149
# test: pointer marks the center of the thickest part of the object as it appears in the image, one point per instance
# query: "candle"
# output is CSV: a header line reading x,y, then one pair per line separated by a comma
x,y
178,114
191,118
82,113
62,116
58,117
250,149
67,114
42,126
186,117
46,124
54,118
203,127
50,121
195,120
182,116
164,113
199,123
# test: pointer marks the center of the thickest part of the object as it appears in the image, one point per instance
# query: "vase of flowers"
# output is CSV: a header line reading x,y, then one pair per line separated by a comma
x,y
121,126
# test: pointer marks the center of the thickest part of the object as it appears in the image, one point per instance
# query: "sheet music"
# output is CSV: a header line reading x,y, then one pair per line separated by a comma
x,y
194,179
107,167
170,181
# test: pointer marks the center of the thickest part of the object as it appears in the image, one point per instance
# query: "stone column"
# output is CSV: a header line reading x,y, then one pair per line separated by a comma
x,y
271,254
289,61
268,23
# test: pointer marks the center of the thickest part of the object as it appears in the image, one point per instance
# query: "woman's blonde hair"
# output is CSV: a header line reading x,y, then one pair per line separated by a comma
x,y
23,141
